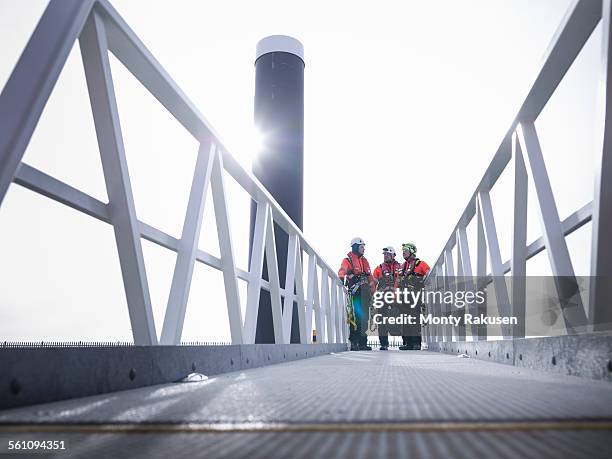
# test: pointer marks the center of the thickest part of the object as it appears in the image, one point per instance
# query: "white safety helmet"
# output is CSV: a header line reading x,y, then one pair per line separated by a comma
x,y
357,240
389,249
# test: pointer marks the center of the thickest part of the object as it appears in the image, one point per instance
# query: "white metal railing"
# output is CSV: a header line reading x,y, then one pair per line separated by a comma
x,y
521,149
100,29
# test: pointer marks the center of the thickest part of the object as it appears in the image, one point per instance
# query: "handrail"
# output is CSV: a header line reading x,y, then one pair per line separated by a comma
x,y
577,25
99,28
521,149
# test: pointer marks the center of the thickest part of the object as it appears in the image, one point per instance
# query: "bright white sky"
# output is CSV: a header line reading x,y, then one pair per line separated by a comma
x,y
405,104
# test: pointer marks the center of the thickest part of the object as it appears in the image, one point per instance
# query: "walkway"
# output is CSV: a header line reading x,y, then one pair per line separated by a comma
x,y
357,404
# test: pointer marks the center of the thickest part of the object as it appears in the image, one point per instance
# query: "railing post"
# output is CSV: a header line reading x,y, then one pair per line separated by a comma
x,y
518,267
228,266
449,274
439,311
481,267
333,304
432,279
324,305
339,314
294,278
344,325
466,270
552,231
255,272
317,303
499,281
273,276
187,247
461,279
289,298
429,335
94,50
312,296
299,288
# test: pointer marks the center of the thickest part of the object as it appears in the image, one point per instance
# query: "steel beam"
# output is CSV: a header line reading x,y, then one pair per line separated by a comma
x,y
519,240
41,183
289,298
30,84
255,272
552,231
228,265
273,276
600,304
121,201
449,274
333,304
187,248
466,269
300,293
325,306
501,290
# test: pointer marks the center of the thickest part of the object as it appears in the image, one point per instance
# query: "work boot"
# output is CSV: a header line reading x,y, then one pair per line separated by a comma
x,y
384,348
363,344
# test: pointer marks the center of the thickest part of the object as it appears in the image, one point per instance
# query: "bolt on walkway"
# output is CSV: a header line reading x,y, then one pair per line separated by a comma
x,y
350,404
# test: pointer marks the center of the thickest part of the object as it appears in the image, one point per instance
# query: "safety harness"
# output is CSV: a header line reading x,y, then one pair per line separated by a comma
x,y
408,278
354,287
387,280
358,280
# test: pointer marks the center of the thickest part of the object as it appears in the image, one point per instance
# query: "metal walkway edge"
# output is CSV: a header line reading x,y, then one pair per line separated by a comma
x,y
356,404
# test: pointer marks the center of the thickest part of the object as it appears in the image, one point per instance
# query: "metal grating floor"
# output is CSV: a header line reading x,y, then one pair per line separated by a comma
x,y
333,406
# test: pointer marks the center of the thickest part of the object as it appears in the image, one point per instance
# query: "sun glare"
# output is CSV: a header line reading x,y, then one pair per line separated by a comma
x,y
257,141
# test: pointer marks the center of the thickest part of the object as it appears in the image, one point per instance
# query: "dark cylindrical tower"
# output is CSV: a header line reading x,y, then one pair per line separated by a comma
x,y
279,117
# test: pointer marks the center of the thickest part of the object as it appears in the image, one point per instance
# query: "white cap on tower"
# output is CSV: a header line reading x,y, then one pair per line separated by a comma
x,y
280,43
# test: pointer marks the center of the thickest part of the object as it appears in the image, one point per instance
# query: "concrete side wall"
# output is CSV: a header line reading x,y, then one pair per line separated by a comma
x,y
39,375
588,355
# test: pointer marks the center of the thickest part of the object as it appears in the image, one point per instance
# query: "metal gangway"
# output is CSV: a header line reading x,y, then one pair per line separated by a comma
x,y
470,393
